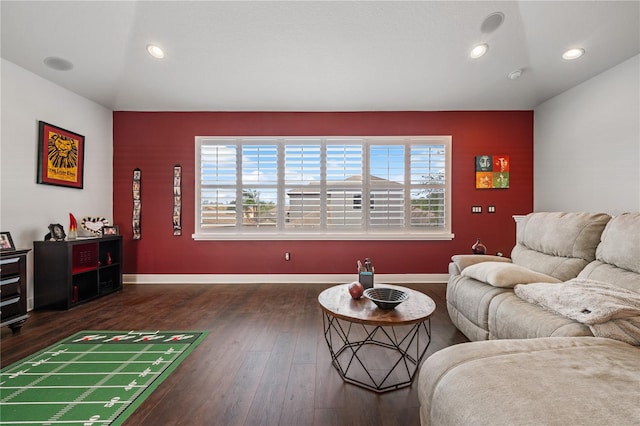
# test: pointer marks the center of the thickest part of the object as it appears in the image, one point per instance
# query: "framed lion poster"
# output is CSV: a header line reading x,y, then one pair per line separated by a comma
x,y
60,156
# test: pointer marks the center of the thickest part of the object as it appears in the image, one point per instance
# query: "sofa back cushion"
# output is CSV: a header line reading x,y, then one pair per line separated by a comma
x,y
618,254
558,244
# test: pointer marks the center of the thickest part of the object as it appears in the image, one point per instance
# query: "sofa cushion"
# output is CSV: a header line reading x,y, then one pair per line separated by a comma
x,y
507,275
559,381
468,305
605,272
510,317
618,254
620,242
462,261
558,244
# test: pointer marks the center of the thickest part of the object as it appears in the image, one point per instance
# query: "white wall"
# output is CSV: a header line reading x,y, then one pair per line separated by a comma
x,y
27,208
587,145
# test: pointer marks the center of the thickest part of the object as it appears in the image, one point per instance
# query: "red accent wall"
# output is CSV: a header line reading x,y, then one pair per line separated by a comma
x,y
156,141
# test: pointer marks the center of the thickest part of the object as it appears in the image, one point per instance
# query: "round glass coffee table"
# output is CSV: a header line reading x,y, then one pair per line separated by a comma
x,y
376,349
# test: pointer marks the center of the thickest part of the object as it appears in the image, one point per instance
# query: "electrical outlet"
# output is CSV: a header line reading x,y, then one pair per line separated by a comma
x,y
476,209
287,256
491,209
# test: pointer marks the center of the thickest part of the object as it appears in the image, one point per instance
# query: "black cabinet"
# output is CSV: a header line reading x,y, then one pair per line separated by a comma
x,y
13,288
67,273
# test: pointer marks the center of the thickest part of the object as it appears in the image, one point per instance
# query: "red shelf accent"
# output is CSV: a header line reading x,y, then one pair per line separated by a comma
x,y
80,270
84,257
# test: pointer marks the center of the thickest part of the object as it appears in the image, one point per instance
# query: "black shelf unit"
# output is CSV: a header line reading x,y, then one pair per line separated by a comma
x,y
68,273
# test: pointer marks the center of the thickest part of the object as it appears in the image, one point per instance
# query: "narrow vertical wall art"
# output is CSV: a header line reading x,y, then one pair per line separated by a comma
x,y
177,199
137,203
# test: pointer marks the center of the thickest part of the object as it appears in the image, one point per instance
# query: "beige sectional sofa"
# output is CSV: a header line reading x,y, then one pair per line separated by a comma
x,y
550,247
555,330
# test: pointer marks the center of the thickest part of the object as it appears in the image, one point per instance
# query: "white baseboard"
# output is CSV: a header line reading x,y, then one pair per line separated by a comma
x,y
277,278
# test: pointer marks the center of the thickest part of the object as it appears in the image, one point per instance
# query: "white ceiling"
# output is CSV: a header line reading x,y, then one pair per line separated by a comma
x,y
317,55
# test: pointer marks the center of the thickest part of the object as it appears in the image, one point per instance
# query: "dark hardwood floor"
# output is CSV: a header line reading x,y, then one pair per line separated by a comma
x,y
264,361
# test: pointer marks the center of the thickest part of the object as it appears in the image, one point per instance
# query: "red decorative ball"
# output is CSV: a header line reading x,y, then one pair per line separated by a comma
x,y
356,290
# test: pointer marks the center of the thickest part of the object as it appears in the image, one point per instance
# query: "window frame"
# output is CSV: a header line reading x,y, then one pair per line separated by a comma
x,y
367,232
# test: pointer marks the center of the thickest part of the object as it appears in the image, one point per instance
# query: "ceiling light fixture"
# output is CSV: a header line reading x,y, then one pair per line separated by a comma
x,y
478,51
572,54
155,51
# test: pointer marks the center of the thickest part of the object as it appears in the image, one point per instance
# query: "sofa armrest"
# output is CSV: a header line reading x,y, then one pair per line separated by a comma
x,y
461,261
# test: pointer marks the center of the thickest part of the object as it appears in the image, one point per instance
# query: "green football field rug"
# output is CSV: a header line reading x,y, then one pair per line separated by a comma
x,y
92,377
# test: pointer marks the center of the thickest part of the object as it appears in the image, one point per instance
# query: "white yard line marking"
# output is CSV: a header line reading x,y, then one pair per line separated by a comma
x,y
92,373
40,422
63,402
99,362
67,387
115,352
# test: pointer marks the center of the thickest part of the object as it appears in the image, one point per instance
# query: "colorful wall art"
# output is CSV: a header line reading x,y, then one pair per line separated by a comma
x,y
60,156
492,171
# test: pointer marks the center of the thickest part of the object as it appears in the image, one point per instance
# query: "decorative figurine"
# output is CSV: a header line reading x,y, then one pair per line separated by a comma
x,y
73,228
478,247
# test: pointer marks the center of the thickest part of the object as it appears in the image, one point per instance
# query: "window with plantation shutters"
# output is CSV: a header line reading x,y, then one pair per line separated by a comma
x,y
302,177
323,188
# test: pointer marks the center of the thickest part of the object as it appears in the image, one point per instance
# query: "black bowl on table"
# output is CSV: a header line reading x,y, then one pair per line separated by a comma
x,y
386,298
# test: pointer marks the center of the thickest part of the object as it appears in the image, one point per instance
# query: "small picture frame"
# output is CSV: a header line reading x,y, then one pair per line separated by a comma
x,y
110,230
57,232
6,242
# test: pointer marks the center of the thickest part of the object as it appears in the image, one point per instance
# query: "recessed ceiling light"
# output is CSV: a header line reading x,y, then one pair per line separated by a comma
x,y
478,51
155,51
58,64
572,54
